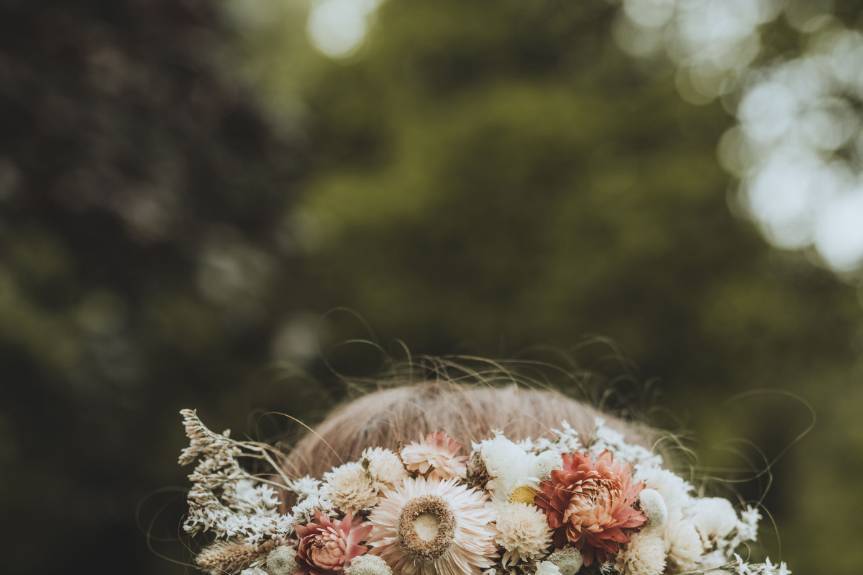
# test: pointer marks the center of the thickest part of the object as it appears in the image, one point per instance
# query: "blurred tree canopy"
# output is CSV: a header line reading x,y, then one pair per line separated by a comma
x,y
128,169
179,211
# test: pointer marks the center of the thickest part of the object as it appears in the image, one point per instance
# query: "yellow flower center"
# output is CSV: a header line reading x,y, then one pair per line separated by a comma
x,y
523,494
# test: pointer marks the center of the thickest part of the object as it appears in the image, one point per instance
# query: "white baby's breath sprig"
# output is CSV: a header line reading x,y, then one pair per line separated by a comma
x,y
608,439
741,567
311,500
563,440
225,499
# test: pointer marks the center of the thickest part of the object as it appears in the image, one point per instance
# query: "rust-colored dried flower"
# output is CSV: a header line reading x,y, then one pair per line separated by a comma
x,y
327,546
591,504
436,457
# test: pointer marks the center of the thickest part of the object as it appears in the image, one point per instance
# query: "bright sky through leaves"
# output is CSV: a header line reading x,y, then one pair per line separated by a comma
x,y
797,148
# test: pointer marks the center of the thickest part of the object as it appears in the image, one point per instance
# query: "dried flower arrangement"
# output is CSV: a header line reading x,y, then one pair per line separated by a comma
x,y
552,506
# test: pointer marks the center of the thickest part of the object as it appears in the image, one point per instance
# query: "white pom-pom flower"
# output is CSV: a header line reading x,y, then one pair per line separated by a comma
x,y
282,561
714,517
349,488
568,560
645,554
384,467
368,565
547,568
685,547
522,531
253,571
653,506
508,464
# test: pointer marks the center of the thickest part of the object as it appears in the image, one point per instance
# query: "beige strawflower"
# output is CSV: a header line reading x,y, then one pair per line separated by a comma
x,y
522,531
384,467
436,457
350,488
433,527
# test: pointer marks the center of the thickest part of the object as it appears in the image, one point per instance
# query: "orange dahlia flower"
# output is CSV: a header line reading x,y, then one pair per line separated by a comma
x,y
591,504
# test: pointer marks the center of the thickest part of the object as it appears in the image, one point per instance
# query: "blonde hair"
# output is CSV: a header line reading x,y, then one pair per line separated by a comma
x,y
467,412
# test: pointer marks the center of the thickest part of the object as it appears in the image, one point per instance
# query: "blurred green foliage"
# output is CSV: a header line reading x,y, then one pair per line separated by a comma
x,y
184,199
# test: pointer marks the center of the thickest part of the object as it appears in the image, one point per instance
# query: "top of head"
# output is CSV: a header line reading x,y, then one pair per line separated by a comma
x,y
394,416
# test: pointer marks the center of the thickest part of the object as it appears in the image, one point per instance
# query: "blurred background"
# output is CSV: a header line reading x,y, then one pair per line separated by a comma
x,y
203,203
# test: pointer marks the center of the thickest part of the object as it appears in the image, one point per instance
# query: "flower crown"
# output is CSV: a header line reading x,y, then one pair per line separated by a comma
x,y
561,505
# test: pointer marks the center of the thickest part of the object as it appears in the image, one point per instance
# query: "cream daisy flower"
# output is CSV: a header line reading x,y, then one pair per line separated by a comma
x,y
385,468
645,554
522,531
433,527
350,488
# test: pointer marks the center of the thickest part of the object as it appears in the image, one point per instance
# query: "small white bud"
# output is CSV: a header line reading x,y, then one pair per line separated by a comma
x,y
547,568
568,560
654,507
282,561
368,565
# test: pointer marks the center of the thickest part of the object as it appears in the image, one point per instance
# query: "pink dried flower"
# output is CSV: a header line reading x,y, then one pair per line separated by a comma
x,y
591,504
436,457
326,547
